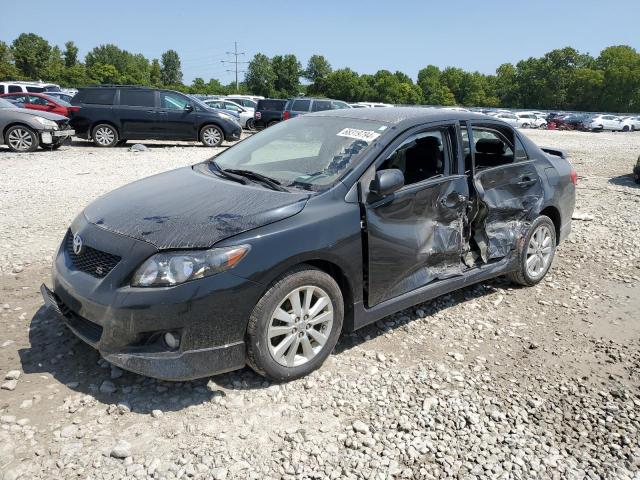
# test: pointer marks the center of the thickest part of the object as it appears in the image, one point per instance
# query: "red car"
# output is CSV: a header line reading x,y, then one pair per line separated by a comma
x,y
40,101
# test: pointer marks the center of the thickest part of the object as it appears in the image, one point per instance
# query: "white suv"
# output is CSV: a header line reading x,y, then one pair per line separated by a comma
x,y
530,120
27,87
605,122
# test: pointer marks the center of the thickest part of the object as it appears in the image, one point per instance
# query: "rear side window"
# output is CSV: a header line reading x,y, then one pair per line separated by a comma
x,y
97,96
301,105
15,89
35,89
491,148
138,98
276,105
321,105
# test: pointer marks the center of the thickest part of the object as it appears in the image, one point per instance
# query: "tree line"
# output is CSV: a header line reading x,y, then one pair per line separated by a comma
x,y
563,79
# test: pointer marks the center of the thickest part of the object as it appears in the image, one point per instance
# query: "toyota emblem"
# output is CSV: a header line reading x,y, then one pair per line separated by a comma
x,y
77,244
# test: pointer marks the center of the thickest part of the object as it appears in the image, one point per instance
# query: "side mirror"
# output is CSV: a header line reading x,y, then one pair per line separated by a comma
x,y
188,107
386,182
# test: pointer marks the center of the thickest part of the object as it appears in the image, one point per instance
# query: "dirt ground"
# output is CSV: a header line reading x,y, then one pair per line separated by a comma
x,y
492,381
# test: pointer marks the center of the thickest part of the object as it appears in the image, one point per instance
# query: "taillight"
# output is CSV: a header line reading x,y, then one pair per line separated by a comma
x,y
73,109
286,115
574,176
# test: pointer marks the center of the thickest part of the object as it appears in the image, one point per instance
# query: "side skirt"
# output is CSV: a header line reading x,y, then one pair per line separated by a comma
x,y
363,316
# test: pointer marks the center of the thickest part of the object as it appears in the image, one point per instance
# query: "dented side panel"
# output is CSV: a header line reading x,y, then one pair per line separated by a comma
x,y
415,237
509,197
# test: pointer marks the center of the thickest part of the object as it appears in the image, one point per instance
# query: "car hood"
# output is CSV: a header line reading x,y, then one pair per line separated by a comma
x,y
190,208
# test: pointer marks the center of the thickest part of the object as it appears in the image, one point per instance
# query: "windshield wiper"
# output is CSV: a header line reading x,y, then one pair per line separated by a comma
x,y
226,174
270,182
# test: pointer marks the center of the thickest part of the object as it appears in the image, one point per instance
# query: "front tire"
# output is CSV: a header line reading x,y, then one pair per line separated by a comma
x,y
250,124
537,253
21,138
295,325
104,135
211,136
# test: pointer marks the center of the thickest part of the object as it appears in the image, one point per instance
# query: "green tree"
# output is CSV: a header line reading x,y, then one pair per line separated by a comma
x,y
171,71
100,73
70,54
287,70
318,67
8,70
31,54
506,85
55,67
345,84
621,69
155,73
434,92
260,77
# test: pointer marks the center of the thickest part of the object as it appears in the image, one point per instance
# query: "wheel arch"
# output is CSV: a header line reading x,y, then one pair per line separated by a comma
x,y
16,124
554,214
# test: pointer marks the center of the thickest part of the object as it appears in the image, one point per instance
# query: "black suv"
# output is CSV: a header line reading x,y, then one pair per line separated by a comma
x,y
268,112
111,115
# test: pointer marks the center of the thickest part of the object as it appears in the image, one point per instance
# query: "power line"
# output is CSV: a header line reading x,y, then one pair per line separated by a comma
x,y
235,61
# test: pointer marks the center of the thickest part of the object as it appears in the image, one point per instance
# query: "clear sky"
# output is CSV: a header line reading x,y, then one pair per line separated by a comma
x,y
366,36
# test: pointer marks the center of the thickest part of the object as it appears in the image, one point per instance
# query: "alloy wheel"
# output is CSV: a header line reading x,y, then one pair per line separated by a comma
x,y
211,136
300,326
539,251
20,139
104,136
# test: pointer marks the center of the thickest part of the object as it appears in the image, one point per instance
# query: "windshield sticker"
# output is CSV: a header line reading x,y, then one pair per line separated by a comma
x,y
366,135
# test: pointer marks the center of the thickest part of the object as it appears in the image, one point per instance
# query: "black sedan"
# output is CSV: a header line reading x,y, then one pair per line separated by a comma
x,y
325,223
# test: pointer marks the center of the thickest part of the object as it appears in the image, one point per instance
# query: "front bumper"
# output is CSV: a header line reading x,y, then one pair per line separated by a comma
x,y
178,366
49,136
126,324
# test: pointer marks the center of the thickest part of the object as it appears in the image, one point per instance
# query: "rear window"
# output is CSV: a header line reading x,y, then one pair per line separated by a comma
x,y
96,96
301,105
277,105
137,98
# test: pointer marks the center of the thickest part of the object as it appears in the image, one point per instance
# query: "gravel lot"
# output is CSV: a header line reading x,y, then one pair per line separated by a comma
x,y
491,381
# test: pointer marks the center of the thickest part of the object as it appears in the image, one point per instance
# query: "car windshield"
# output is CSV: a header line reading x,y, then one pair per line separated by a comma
x,y
306,152
6,104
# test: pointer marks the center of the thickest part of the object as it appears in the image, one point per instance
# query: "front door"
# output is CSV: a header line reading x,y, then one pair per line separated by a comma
x,y
178,117
509,190
414,236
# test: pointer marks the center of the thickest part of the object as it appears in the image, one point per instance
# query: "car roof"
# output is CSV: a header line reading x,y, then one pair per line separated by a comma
x,y
397,115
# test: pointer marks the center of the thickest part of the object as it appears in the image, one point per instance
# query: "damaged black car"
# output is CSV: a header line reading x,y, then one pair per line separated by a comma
x,y
321,224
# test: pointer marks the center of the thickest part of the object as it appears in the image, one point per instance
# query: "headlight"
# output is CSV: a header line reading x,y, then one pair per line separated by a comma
x,y
45,122
227,116
173,268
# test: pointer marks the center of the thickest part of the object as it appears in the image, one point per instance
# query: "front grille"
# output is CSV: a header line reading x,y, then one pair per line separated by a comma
x,y
94,262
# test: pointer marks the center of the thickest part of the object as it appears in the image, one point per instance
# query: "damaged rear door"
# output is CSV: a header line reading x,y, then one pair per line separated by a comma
x,y
509,189
414,236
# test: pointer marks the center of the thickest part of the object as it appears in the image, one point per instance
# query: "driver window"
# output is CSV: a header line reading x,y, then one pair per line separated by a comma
x,y
419,157
172,101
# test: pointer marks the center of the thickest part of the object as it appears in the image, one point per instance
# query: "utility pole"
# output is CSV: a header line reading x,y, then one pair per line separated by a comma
x,y
235,61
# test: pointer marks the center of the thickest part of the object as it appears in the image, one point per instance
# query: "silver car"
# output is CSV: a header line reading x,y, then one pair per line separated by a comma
x,y
26,130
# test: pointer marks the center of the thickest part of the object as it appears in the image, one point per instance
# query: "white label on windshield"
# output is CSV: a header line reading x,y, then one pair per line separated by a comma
x,y
366,135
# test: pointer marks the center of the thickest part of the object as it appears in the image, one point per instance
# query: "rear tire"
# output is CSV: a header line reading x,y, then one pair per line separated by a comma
x,y
104,135
626,128
21,138
250,124
295,325
211,136
538,251
272,123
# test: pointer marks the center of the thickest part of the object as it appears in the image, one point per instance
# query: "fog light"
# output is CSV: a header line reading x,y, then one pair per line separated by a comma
x,y
172,340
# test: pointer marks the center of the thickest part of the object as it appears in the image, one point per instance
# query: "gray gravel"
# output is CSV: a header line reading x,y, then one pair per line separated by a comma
x,y
491,381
